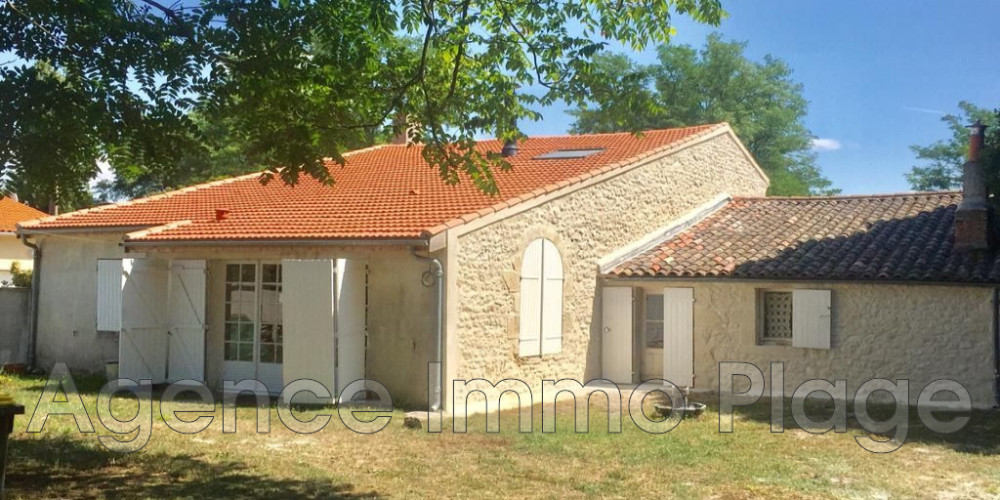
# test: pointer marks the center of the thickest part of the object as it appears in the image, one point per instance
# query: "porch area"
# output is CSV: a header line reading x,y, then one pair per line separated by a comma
x,y
225,321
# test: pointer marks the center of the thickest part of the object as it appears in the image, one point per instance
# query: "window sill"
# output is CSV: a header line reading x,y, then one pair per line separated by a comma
x,y
773,343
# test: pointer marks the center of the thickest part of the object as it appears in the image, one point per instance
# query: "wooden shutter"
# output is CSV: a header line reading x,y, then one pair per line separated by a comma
x,y
186,306
143,344
529,338
552,298
811,319
616,341
678,336
109,295
350,316
307,309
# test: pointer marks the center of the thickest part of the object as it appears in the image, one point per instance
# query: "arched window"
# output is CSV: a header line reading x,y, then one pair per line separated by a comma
x,y
541,299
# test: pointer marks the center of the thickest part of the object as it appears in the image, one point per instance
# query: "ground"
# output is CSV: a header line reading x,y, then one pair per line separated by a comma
x,y
692,461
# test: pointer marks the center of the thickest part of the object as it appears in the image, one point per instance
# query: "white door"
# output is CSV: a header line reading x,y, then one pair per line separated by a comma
x,y
254,334
616,341
350,319
678,336
142,345
186,306
308,306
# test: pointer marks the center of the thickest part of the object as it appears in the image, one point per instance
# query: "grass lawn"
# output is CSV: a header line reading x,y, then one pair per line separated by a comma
x,y
692,461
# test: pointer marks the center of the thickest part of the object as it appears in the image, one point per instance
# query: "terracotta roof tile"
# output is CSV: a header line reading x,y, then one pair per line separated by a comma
x,y
13,212
382,192
905,237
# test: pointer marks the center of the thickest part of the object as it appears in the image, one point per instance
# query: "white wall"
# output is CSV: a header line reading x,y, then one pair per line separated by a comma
x,y
12,250
67,312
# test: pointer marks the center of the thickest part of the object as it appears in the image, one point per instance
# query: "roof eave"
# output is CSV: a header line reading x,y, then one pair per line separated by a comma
x,y
733,279
421,242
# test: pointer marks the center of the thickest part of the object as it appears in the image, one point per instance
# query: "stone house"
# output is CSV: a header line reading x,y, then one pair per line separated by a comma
x,y
391,270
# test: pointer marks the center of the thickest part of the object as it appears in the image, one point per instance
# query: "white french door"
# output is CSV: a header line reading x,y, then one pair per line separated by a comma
x,y
254,332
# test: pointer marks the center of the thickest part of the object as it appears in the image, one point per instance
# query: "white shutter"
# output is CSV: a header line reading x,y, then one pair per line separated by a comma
x,y
186,306
552,298
529,338
143,344
678,336
109,295
350,318
616,341
811,319
307,294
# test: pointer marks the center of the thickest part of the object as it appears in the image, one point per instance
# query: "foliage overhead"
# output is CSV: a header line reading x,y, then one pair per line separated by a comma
x,y
943,159
713,84
296,80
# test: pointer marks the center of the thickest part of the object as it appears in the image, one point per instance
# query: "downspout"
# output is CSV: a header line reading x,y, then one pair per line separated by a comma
x,y
36,279
996,347
438,275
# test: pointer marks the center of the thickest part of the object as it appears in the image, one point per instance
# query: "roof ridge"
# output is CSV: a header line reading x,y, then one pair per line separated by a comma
x,y
146,199
706,126
847,196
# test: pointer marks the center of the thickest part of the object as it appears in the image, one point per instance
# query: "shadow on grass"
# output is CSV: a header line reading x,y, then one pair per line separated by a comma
x,y
980,436
67,468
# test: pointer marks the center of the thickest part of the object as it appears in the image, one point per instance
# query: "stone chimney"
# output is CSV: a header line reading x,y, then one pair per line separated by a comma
x,y
973,226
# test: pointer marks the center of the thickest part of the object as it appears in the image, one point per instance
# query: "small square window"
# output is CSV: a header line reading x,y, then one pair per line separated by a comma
x,y
775,317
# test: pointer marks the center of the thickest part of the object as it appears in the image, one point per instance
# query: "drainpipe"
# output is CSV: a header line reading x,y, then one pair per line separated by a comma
x,y
996,347
438,275
36,280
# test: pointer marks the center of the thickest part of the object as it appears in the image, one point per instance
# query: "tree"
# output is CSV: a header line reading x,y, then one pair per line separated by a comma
x,y
716,83
300,80
943,160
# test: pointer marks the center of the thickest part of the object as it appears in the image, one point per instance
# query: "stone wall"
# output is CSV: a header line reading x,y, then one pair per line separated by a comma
x,y
585,225
14,325
915,332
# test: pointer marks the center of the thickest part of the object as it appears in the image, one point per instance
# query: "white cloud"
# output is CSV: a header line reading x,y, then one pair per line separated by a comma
x,y
825,144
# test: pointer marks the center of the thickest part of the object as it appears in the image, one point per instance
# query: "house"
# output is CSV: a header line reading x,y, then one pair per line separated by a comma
x,y
11,249
560,276
237,279
853,288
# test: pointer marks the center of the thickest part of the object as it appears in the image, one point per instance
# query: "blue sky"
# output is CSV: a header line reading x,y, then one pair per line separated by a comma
x,y
878,74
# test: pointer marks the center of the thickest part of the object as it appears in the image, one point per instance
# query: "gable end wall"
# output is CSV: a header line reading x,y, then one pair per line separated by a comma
x,y
585,225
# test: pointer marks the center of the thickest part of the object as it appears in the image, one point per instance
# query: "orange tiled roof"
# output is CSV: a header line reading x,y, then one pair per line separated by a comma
x,y
904,237
380,193
12,212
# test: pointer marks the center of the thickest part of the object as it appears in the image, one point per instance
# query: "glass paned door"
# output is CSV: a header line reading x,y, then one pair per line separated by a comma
x,y
253,324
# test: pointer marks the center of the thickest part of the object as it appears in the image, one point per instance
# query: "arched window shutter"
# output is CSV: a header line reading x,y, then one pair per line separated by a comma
x,y
541,299
531,300
552,295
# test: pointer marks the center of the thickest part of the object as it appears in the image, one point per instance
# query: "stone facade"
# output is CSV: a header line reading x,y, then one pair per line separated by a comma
x,y
585,225
916,332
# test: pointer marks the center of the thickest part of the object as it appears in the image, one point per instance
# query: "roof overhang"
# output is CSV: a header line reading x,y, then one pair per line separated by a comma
x,y
421,242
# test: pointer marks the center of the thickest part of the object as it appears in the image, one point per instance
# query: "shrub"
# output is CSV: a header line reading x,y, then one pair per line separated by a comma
x,y
20,278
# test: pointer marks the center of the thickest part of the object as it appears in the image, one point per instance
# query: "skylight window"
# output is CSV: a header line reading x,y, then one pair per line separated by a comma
x,y
560,154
